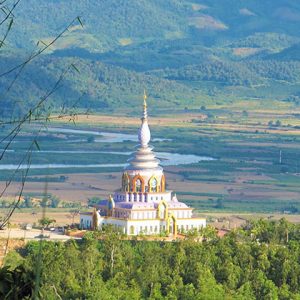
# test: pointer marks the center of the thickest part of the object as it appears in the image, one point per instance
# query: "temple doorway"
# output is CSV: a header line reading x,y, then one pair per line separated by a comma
x,y
172,225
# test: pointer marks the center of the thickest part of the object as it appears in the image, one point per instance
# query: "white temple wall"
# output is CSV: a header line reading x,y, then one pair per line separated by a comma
x,y
190,224
135,227
86,221
118,223
181,214
145,227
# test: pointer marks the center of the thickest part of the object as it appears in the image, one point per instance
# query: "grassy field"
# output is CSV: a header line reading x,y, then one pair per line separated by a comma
x,y
247,175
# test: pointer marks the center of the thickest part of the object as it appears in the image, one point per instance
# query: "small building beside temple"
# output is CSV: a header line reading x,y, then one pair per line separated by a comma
x,y
143,205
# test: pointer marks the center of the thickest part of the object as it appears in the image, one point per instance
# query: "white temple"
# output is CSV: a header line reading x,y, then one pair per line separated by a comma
x,y
143,205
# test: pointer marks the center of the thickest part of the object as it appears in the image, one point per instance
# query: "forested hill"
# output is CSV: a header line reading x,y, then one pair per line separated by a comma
x,y
86,84
185,53
109,23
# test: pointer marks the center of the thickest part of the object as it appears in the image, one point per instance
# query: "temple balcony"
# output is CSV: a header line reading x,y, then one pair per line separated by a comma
x,y
142,197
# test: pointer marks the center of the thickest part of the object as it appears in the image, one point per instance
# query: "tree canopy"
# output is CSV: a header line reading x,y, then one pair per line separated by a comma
x,y
259,261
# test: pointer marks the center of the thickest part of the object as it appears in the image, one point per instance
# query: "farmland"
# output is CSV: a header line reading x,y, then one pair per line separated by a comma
x,y
255,167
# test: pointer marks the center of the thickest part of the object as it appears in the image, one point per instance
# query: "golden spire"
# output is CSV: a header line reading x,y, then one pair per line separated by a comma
x,y
145,107
145,98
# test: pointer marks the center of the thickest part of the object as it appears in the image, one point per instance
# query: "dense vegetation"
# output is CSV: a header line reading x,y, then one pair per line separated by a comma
x,y
260,261
97,86
204,50
186,54
235,73
108,22
105,87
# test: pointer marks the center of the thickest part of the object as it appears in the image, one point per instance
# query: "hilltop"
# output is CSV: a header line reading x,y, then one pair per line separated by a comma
x,y
186,53
114,22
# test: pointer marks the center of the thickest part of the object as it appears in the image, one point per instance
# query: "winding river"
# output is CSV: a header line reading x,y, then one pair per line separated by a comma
x,y
167,159
104,137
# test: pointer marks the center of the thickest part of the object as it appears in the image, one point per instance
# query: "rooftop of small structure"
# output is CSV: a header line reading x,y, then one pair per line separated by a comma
x,y
143,205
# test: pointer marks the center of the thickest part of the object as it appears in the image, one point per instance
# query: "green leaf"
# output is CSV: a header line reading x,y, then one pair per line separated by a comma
x,y
10,24
44,43
37,145
75,68
4,11
80,22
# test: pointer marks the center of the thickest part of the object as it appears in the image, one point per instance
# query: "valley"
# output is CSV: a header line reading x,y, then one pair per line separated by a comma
x,y
246,175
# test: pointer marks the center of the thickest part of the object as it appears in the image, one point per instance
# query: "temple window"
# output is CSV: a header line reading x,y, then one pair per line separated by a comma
x,y
131,229
162,210
138,186
153,185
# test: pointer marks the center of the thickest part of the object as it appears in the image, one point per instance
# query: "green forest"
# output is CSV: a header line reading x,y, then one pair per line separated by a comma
x,y
185,53
258,261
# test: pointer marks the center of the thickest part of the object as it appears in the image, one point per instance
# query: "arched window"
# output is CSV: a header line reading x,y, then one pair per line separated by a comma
x,y
172,225
162,212
138,186
153,184
131,229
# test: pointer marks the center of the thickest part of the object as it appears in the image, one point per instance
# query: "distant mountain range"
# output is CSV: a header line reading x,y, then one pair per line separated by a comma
x,y
113,23
184,52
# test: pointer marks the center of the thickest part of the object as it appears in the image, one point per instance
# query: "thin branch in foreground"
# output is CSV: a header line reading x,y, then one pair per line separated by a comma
x,y
16,203
8,15
30,148
47,46
10,11
12,135
27,118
